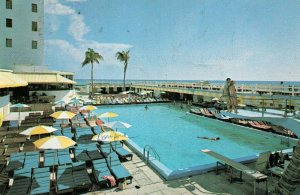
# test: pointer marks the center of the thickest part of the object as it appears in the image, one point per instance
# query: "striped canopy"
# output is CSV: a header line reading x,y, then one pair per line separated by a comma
x,y
37,130
19,105
117,125
62,115
109,136
54,142
108,115
88,108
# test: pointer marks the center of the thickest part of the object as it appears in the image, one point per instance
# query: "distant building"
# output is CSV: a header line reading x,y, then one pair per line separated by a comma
x,y
22,33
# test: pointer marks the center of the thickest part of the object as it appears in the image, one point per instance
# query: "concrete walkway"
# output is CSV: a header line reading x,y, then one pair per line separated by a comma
x,y
146,181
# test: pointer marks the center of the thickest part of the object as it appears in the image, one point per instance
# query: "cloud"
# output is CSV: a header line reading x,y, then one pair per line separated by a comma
x,y
77,27
107,50
56,8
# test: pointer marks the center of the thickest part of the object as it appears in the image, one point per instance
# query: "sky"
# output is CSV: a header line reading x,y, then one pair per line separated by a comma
x,y
176,39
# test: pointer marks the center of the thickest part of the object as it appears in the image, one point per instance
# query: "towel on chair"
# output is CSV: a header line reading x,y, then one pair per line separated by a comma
x,y
111,179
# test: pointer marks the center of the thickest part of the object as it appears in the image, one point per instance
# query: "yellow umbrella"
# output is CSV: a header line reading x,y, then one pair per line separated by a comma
x,y
109,136
88,108
62,115
38,130
1,119
108,115
54,142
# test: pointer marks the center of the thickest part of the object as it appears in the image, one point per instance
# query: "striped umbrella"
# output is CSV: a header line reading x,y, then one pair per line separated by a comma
x,y
108,115
38,130
19,105
88,108
109,136
117,125
62,115
54,142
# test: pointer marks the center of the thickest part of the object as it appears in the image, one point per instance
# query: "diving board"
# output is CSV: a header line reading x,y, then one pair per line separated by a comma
x,y
223,160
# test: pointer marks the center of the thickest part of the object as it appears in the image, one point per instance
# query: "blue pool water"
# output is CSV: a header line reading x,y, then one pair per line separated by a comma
x,y
173,133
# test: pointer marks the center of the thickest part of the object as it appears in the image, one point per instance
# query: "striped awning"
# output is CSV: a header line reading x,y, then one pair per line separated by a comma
x,y
8,80
45,78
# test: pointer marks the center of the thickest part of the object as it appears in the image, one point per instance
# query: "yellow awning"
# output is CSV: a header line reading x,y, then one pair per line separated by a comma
x,y
8,79
45,78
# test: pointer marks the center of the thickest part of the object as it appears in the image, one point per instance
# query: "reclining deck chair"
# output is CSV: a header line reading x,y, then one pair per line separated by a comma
x,y
261,164
117,169
64,182
40,181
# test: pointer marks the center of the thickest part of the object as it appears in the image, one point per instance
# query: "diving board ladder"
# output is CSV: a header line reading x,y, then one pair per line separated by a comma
x,y
146,153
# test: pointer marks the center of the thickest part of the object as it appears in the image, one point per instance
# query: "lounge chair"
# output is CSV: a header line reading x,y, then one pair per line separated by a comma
x,y
206,113
81,154
196,111
255,124
64,157
100,170
32,160
22,182
117,169
122,153
16,161
40,181
65,182
80,176
254,174
50,158
278,171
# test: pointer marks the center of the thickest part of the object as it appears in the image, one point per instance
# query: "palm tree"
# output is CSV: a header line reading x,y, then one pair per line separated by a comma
x,y
291,176
91,57
123,57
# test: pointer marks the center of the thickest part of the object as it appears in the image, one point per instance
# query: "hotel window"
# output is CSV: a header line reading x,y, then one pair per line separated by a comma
x,y
8,4
8,42
34,44
8,23
34,7
34,26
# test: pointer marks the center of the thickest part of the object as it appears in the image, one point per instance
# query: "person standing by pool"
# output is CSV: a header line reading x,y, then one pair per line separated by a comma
x,y
232,96
225,94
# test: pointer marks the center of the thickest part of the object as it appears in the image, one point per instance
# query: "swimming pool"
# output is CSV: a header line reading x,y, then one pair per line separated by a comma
x,y
173,133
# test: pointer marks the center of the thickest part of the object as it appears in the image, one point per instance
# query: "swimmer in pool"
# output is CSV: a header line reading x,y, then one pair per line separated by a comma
x,y
210,138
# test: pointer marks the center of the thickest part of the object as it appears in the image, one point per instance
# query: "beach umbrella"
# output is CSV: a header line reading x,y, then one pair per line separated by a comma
x,y
109,136
1,119
108,115
54,143
19,106
60,102
117,125
38,130
76,102
63,115
88,108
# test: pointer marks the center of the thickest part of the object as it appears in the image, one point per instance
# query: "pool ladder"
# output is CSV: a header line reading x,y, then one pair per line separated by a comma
x,y
146,153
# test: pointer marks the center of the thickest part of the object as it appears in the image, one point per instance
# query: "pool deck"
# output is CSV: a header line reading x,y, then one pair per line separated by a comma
x,y
149,182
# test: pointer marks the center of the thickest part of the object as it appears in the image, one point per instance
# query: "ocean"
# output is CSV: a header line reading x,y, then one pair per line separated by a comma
x,y
217,82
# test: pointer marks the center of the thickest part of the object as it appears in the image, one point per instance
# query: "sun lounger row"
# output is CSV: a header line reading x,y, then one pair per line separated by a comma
x,y
211,113
132,99
72,177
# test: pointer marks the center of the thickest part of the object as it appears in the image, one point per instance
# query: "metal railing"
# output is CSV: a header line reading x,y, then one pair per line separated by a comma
x,y
146,153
